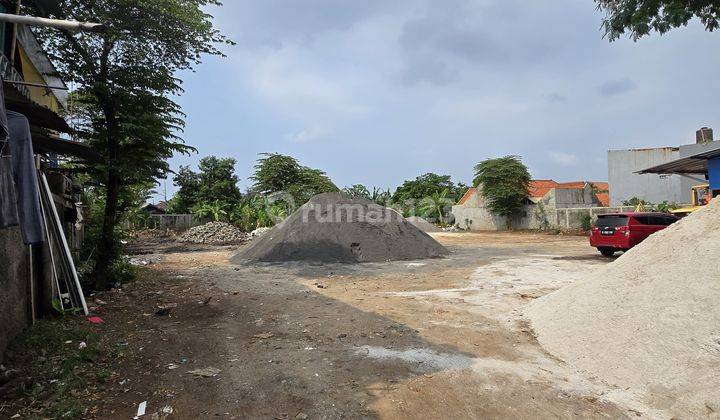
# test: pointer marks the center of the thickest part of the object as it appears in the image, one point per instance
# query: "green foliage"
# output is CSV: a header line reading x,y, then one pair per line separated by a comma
x,y
436,207
59,373
186,196
357,191
216,211
215,182
125,81
541,216
279,173
640,17
504,183
635,201
666,207
381,197
256,211
586,222
425,186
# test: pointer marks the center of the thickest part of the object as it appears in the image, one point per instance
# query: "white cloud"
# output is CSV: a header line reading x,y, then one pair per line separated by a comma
x,y
309,134
564,159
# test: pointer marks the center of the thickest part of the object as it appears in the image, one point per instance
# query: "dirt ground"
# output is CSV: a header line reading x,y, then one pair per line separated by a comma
x,y
441,338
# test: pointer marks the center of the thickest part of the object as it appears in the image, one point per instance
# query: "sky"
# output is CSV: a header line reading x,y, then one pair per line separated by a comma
x,y
381,91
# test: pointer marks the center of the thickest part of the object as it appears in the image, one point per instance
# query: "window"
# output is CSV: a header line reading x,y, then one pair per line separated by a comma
x,y
611,221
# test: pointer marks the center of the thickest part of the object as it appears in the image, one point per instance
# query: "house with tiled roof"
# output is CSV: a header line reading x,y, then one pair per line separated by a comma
x,y
550,204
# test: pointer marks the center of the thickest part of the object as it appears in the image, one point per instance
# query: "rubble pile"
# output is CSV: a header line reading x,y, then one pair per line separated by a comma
x,y
214,233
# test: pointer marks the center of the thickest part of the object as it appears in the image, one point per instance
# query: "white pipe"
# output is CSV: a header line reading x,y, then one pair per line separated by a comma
x,y
65,244
69,25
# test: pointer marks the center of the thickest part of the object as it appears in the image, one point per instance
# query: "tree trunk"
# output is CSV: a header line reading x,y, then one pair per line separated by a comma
x,y
106,245
107,251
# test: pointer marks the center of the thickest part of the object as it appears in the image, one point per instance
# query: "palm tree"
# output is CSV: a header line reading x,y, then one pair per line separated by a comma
x,y
434,205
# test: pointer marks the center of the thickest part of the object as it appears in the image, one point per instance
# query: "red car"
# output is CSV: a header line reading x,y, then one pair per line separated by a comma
x,y
622,231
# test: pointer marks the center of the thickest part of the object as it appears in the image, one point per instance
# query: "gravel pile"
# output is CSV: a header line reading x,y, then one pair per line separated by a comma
x,y
214,233
423,224
650,321
333,227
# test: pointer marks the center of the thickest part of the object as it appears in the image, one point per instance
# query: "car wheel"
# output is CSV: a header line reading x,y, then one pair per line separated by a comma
x,y
607,252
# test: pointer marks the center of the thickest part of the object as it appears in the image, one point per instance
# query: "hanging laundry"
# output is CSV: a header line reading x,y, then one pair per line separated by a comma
x,y
32,225
8,205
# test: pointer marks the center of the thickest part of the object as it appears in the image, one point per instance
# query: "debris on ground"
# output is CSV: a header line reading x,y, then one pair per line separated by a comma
x,y
164,309
214,233
333,227
141,409
207,372
163,414
649,320
264,336
259,232
423,224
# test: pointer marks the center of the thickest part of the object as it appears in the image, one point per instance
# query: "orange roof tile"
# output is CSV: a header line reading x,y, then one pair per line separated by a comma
x,y
540,187
467,196
604,199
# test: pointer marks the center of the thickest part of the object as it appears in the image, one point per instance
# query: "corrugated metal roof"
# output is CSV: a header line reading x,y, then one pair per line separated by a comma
x,y
694,164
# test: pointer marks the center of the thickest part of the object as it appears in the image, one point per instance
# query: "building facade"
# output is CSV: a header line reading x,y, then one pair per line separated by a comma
x,y
626,183
550,205
26,282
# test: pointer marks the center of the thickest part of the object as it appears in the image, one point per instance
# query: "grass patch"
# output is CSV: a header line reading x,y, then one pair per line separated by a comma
x,y
61,365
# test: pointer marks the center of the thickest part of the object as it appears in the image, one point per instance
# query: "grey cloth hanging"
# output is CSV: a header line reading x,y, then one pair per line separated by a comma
x,y
30,216
8,205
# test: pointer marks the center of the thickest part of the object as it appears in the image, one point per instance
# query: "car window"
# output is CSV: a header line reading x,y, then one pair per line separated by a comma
x,y
612,221
669,220
643,220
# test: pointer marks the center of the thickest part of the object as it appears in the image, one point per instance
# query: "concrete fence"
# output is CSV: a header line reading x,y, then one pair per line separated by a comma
x,y
573,218
174,222
531,217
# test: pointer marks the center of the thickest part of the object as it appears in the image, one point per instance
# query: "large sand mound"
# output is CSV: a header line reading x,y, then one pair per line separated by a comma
x,y
650,320
332,227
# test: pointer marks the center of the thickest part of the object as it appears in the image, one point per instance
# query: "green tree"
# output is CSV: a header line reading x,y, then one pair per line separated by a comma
x,y
279,173
424,186
504,183
640,17
187,195
357,191
125,80
434,207
215,181
275,172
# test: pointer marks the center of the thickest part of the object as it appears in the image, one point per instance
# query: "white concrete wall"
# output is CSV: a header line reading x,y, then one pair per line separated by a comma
x,y
532,217
626,184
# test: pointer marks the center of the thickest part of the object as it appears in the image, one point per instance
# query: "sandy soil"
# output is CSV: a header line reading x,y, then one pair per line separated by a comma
x,y
439,338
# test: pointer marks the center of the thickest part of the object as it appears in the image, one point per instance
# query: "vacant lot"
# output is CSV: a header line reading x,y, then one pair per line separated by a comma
x,y
437,338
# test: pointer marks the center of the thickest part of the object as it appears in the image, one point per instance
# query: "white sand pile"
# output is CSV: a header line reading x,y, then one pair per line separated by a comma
x,y
649,321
